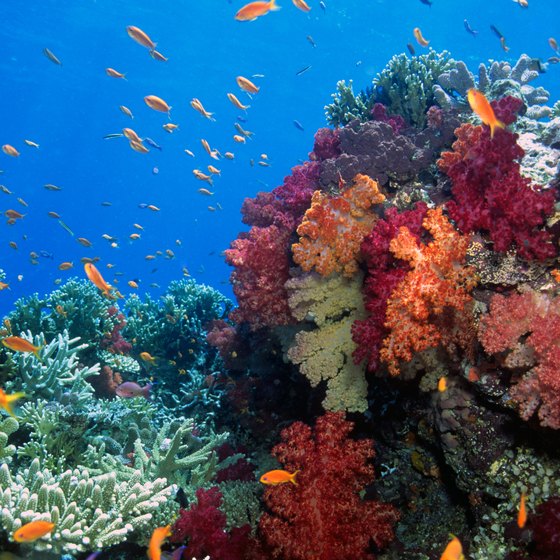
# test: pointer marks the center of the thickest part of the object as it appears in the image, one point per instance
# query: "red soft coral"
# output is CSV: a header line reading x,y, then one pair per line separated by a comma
x,y
491,195
261,264
324,517
203,527
504,330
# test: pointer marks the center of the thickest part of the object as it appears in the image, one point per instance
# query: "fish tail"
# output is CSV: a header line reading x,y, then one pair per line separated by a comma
x,y
146,391
36,352
494,125
293,478
272,5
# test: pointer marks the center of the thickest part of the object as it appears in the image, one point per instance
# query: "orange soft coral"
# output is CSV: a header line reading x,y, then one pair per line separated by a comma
x,y
333,228
438,282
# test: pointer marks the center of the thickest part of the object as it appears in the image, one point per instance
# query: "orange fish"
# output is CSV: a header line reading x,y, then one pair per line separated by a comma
x,y
522,513
247,85
85,242
442,384
453,551
18,344
133,284
6,401
13,214
170,127
65,266
481,106
114,73
419,37
147,357
278,477
301,5
553,44
158,536
197,106
131,135
158,56
236,102
138,147
124,109
32,531
157,104
140,37
253,10
53,215
152,208
10,150
95,276
4,286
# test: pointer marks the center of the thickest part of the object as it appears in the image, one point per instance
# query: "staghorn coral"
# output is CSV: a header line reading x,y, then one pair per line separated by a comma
x,y
324,354
333,228
438,283
505,329
57,375
7,427
324,516
89,512
346,106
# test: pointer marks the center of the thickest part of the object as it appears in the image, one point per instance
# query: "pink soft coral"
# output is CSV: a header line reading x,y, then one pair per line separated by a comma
x,y
324,517
489,192
505,329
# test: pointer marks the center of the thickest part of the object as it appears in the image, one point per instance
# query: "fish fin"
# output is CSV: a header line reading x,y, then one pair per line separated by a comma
x,y
36,352
146,391
293,478
273,6
494,125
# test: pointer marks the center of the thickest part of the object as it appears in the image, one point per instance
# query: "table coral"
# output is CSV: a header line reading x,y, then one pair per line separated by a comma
x,y
438,282
491,195
334,227
505,329
324,516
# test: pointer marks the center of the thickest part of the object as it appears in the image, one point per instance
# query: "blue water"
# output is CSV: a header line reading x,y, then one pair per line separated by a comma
x,y
68,109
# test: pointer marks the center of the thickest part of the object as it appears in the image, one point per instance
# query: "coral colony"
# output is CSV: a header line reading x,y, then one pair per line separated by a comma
x,y
395,341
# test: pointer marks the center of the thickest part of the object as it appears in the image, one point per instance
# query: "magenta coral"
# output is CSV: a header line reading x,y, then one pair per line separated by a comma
x,y
324,517
261,263
384,273
505,329
491,195
396,122
327,144
203,527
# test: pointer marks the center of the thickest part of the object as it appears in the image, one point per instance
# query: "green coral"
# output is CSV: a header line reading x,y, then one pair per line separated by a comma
x,y
7,427
556,110
241,503
89,512
57,375
347,106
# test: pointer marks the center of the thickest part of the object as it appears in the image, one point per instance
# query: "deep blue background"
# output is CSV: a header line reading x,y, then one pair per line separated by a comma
x,y
68,110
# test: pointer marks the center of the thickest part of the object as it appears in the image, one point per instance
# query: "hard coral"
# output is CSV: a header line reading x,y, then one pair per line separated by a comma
x,y
261,263
203,527
491,195
334,227
506,327
439,283
324,517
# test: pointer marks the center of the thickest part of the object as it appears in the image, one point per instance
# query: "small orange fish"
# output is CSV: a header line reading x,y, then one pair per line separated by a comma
x,y
205,192
95,277
65,266
4,286
138,226
140,37
157,104
152,208
170,127
301,5
138,147
32,144
18,344
553,44
247,85
13,214
420,38
134,236
504,45
147,357
202,176
131,135
158,537
53,215
32,531
197,106
236,102
454,550
473,376
239,139
60,310
229,155
85,242
278,477
133,284
6,401
442,384
481,106
522,3
253,10
150,257
13,245
214,170
522,513
51,187
114,73
10,150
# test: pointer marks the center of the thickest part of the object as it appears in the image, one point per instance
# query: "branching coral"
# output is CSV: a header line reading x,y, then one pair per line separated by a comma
x,y
438,283
324,517
505,329
324,354
334,227
89,512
